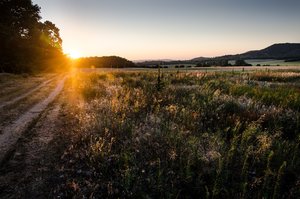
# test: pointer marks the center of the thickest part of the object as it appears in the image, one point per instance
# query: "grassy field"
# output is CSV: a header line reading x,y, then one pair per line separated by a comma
x,y
253,62
270,62
181,135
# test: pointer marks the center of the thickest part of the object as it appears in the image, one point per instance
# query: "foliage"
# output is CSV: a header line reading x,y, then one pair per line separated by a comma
x,y
212,62
104,62
200,137
27,44
241,62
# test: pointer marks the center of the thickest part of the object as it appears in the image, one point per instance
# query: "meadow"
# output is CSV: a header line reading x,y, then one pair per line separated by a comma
x,y
270,62
181,135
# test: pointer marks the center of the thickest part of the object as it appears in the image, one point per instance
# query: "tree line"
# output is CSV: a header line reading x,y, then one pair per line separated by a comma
x,y
221,62
26,43
104,62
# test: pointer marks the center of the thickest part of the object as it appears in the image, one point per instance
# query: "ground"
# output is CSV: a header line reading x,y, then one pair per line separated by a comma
x,y
124,133
30,132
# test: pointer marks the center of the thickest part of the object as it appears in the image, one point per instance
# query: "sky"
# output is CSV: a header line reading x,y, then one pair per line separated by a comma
x,y
171,29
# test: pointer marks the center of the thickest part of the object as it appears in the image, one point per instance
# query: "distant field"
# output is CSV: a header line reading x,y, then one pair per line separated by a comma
x,y
194,69
253,62
270,62
176,66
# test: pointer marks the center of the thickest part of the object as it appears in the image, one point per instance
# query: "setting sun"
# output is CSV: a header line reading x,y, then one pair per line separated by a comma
x,y
73,54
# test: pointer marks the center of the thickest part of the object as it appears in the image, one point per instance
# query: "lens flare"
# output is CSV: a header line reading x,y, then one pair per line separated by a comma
x,y
74,54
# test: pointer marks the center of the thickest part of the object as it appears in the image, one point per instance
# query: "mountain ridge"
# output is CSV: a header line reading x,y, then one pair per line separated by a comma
x,y
283,51
278,51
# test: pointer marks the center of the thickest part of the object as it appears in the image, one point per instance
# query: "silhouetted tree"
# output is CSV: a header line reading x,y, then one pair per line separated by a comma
x,y
104,62
25,41
241,62
213,62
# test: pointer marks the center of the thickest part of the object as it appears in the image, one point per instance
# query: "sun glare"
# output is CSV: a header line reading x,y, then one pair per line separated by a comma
x,y
74,54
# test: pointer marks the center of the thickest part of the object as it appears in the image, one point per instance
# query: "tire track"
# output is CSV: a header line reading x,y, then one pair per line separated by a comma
x,y
29,168
13,132
25,94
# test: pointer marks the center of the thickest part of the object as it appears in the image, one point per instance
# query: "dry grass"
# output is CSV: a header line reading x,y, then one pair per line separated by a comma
x,y
191,136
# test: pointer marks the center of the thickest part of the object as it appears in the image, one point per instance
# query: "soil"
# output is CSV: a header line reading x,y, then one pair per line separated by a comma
x,y
31,143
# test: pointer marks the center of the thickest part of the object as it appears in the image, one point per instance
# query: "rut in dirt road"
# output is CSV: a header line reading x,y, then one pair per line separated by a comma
x,y
26,94
30,168
12,133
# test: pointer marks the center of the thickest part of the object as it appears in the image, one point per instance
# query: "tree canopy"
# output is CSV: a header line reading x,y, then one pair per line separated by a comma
x,y
26,43
241,62
104,62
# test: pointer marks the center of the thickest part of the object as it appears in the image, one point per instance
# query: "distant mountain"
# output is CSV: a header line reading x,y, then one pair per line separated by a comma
x,y
277,51
152,60
284,51
200,59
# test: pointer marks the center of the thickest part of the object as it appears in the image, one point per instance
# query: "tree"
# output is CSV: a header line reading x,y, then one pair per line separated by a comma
x,y
50,35
241,62
104,62
25,41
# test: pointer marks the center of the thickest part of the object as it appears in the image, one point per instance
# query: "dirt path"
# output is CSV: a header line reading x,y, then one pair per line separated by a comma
x,y
12,86
27,172
25,94
11,133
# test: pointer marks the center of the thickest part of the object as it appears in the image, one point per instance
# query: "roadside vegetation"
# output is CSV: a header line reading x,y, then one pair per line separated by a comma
x,y
181,135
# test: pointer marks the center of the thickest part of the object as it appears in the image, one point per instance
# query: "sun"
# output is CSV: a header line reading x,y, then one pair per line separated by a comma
x,y
74,54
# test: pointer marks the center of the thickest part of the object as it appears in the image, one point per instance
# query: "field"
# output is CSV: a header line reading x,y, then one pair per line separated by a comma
x,y
140,134
253,62
269,62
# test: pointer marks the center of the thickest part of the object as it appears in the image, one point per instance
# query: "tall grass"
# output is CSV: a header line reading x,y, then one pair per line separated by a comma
x,y
197,136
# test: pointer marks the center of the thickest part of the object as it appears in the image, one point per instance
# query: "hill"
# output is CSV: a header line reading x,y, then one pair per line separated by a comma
x,y
104,62
283,51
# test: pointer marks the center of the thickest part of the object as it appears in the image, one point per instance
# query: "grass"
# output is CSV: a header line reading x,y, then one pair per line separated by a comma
x,y
195,135
272,62
269,62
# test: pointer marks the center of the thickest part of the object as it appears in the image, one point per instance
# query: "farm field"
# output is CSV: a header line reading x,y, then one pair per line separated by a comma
x,y
272,62
140,134
269,62
194,69
253,62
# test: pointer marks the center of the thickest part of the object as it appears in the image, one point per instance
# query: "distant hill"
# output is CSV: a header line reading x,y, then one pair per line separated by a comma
x,y
152,60
104,62
284,51
200,59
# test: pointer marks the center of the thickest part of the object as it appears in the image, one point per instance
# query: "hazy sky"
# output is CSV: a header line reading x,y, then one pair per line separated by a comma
x,y
173,29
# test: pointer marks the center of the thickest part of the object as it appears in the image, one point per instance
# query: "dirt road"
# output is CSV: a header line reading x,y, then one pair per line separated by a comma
x,y
24,95
11,133
28,126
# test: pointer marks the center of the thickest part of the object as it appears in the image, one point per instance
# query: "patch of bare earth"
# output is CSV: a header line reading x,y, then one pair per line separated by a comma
x,y
26,173
10,112
31,141
13,86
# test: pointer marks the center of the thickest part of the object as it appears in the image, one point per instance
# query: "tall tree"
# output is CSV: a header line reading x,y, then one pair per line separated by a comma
x,y
25,41
50,35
